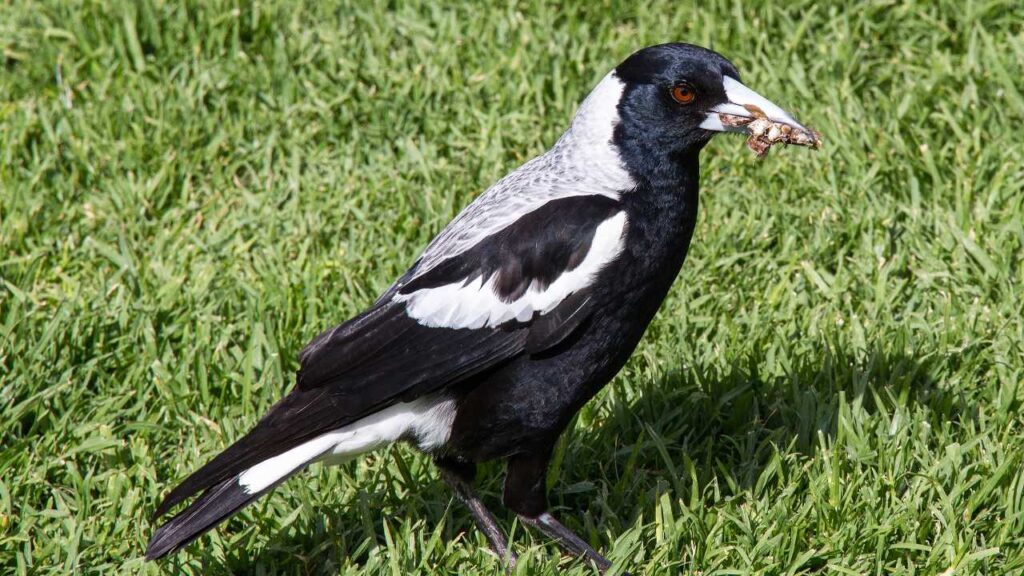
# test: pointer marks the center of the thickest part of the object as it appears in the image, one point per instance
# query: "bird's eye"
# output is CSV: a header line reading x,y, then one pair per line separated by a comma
x,y
683,93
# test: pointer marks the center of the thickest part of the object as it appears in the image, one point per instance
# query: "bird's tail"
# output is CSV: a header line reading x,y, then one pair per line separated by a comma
x,y
223,500
215,505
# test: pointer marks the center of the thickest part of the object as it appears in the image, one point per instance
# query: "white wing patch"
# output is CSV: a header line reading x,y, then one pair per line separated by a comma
x,y
427,421
476,304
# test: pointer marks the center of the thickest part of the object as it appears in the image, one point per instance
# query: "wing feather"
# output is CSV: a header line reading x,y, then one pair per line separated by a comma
x,y
387,355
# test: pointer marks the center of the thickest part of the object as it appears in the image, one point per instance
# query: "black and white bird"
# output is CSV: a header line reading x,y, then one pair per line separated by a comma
x,y
514,316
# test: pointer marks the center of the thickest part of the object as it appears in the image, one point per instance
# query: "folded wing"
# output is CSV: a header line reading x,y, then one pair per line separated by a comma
x,y
520,290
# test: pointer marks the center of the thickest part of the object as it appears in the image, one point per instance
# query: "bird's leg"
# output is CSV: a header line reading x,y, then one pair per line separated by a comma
x,y
525,495
566,539
459,476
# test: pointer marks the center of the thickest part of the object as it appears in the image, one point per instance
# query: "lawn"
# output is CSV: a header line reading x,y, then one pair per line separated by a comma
x,y
190,191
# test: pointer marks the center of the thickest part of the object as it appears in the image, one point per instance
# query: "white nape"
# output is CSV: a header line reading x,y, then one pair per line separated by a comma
x,y
587,145
583,162
426,421
476,304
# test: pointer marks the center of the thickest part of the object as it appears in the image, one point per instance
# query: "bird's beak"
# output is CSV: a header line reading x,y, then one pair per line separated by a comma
x,y
748,112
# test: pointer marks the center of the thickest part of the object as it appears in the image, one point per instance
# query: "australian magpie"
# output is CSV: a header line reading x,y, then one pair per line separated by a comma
x,y
515,315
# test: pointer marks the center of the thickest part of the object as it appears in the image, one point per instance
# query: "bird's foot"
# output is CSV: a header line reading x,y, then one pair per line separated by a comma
x,y
568,540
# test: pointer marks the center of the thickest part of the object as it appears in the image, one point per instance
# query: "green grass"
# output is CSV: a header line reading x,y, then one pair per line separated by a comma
x,y
188,193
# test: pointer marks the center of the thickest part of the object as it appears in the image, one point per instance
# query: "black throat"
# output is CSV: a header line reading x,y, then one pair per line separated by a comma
x,y
655,160
662,212
663,160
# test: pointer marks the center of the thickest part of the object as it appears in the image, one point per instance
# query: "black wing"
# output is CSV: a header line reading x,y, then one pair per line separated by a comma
x,y
396,352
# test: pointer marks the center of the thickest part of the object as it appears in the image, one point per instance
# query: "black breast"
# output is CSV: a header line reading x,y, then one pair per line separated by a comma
x,y
527,403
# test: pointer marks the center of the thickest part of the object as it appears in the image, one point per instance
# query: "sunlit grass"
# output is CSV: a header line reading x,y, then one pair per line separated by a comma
x,y
191,191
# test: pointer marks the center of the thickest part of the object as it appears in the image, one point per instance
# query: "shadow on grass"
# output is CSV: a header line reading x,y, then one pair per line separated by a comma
x,y
691,426
723,428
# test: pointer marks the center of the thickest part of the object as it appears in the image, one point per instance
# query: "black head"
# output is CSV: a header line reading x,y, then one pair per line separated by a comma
x,y
669,91
672,98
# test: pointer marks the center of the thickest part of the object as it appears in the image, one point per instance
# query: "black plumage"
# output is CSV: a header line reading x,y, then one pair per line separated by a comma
x,y
515,316
538,247
214,505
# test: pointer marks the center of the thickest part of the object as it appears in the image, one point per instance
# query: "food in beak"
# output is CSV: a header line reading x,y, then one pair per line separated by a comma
x,y
765,133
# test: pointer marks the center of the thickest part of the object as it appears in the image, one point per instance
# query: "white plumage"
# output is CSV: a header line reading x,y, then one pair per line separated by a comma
x,y
584,162
427,421
475,303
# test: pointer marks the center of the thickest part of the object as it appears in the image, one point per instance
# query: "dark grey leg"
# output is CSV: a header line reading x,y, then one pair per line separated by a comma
x,y
460,477
525,495
567,539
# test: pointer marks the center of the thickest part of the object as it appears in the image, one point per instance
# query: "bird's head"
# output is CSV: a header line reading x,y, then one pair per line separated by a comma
x,y
675,97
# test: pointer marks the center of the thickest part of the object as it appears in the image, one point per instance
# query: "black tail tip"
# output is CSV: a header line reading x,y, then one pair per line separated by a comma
x,y
164,540
214,506
158,547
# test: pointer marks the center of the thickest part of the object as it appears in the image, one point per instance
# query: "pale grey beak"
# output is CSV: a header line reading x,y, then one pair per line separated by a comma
x,y
750,113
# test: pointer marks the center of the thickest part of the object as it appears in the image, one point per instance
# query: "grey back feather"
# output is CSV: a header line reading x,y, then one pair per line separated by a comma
x,y
584,161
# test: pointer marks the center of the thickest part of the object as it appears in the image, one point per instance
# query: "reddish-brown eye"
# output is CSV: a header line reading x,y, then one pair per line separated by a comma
x,y
684,93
